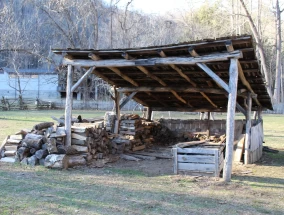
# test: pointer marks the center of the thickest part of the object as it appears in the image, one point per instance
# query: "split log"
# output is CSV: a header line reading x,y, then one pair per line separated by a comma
x,y
80,148
54,161
10,153
51,146
61,149
78,129
60,132
43,125
191,143
33,160
32,143
78,137
41,162
44,146
23,132
23,152
60,121
2,145
33,136
24,161
78,142
128,157
11,148
11,141
74,160
137,148
151,158
48,132
16,137
40,154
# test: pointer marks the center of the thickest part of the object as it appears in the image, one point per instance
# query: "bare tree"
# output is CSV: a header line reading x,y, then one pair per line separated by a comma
x,y
277,88
259,45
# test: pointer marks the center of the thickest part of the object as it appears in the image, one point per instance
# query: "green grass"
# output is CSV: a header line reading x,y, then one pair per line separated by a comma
x,y
115,190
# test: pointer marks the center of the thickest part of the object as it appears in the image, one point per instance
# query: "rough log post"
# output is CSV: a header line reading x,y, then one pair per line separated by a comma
x,y
248,127
68,106
149,114
208,124
230,125
117,111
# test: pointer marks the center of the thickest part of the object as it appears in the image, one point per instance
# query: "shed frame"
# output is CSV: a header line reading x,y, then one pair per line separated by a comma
x,y
214,75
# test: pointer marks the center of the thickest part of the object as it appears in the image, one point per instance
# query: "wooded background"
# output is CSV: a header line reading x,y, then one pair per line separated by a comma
x,y
35,27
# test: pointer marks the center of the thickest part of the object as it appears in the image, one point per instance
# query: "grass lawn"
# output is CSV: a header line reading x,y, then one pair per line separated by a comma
x,y
255,189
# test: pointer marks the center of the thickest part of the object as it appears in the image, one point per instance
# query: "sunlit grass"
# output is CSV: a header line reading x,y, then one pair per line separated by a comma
x,y
113,190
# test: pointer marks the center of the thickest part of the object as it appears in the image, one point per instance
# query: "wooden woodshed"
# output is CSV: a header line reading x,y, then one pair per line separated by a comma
x,y
212,75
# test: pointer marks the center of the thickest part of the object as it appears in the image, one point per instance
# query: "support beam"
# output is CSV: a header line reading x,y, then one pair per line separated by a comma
x,y
168,89
153,61
118,72
75,86
68,105
248,129
125,101
117,111
149,114
215,77
181,73
230,125
242,77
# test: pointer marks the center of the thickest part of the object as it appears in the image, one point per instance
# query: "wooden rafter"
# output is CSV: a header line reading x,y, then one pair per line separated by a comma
x,y
168,89
97,73
230,48
154,77
180,72
125,77
115,70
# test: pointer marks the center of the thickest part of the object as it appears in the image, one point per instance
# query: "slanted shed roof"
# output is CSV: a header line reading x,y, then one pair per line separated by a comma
x,y
171,77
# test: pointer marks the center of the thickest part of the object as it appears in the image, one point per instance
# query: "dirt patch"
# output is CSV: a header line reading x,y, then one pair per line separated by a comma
x,y
149,168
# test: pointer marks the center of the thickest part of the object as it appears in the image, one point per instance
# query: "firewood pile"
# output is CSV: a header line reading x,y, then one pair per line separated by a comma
x,y
44,145
198,136
136,134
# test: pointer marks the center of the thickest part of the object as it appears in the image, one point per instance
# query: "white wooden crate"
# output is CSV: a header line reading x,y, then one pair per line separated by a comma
x,y
198,161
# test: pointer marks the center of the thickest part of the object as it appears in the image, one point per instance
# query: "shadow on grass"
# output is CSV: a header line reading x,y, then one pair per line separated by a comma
x,y
82,192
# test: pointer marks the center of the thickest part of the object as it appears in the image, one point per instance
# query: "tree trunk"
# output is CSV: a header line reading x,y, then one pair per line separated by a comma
x,y
259,46
277,88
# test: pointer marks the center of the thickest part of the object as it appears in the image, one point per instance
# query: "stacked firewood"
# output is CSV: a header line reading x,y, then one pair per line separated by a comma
x,y
136,133
109,120
45,145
